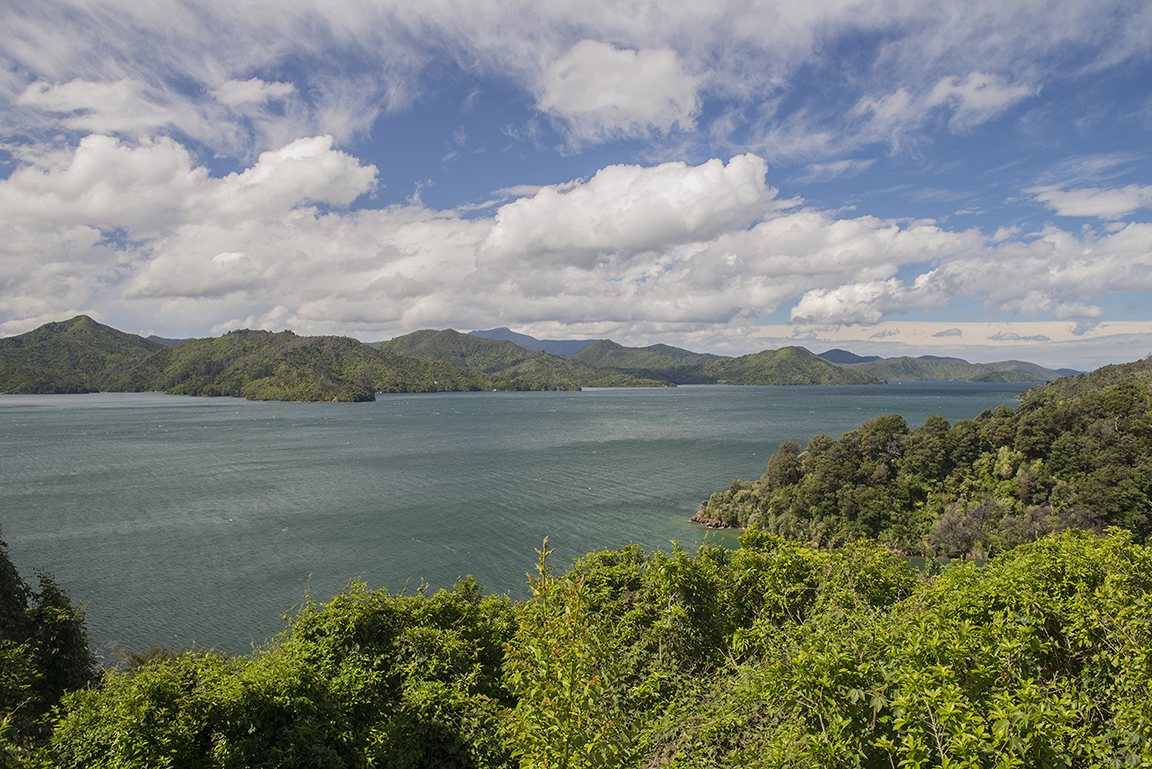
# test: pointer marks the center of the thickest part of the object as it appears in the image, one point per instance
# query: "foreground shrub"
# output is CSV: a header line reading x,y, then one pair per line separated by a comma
x,y
366,679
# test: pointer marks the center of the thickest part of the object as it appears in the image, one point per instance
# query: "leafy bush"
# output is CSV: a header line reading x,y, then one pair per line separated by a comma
x,y
43,653
366,679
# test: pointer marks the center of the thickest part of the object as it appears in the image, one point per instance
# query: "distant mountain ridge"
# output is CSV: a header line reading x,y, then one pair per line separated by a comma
x,y
843,357
614,363
81,355
567,347
940,368
505,358
606,353
680,366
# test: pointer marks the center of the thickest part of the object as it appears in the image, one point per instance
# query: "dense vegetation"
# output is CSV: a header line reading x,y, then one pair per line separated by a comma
x,y
72,356
43,654
540,369
776,654
81,355
1075,453
261,365
939,369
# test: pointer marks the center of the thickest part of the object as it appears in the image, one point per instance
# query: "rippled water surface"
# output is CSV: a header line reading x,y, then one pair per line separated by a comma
x,y
191,521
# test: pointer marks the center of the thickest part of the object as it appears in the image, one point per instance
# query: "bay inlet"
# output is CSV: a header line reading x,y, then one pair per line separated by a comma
x,y
201,521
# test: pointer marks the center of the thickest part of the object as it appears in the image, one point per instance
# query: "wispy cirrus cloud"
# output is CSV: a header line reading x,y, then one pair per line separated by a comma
x,y
963,103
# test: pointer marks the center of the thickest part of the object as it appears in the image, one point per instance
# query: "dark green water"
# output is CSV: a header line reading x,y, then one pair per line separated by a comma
x,y
188,521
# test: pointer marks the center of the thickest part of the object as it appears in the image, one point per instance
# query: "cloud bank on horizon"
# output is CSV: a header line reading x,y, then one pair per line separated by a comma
x,y
895,178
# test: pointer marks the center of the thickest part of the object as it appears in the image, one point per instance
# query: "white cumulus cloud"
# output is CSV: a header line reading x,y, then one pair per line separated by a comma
x,y
601,92
625,209
1049,276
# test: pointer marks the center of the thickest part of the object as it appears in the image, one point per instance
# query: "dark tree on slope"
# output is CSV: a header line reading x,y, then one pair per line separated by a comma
x,y
43,651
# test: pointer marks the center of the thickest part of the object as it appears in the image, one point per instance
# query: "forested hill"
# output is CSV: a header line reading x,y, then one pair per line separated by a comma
x,y
656,357
1076,453
544,370
81,355
939,369
786,366
72,356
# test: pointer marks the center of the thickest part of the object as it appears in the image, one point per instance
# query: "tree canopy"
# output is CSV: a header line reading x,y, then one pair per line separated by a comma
x,y
1076,453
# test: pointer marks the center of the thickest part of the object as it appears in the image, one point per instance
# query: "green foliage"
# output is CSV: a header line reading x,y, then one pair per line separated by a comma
x,y
1041,659
776,654
368,679
976,488
562,669
43,652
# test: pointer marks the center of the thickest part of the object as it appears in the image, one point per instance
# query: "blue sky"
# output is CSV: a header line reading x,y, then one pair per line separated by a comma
x,y
970,178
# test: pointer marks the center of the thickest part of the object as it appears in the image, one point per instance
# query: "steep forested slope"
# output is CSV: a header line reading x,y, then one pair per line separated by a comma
x,y
72,356
978,486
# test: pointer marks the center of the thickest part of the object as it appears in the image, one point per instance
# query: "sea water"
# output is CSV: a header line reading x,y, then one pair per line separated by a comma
x,y
199,522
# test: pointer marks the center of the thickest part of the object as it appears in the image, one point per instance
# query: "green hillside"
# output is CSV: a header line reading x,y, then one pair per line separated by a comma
x,y
72,356
1023,367
1076,453
262,365
1138,372
658,357
908,369
81,355
537,369
786,366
